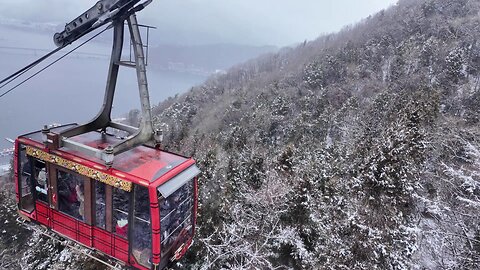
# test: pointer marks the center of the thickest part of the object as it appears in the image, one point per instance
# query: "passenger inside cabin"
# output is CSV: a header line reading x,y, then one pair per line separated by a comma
x,y
121,202
81,199
42,182
69,199
122,227
41,178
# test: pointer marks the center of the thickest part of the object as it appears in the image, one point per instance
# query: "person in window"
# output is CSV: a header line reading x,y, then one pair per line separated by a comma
x,y
122,227
120,211
67,194
42,178
80,198
41,187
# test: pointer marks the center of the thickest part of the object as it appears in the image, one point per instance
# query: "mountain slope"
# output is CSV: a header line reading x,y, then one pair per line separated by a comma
x,y
359,150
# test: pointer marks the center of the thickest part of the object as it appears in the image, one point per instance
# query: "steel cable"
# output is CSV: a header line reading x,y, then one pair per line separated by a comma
x,y
27,68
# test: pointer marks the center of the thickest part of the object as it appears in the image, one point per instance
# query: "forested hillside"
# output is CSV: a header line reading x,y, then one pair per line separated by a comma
x,y
359,150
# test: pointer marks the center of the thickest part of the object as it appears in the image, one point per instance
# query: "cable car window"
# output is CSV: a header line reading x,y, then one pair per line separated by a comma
x,y
100,209
176,214
40,177
25,183
70,194
121,201
142,232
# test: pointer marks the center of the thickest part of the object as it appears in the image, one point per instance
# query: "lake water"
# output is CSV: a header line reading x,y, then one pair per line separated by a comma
x,y
73,89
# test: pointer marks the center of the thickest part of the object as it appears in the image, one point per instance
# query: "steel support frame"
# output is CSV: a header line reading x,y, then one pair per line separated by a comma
x,y
145,134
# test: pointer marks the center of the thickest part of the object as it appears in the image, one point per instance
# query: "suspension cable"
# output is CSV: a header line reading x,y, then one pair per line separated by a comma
x,y
25,69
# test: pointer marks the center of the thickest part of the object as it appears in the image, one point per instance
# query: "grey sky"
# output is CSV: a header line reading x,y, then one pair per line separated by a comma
x,y
257,22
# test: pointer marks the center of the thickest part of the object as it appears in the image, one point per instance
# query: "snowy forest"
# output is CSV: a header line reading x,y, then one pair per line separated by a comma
x,y
358,150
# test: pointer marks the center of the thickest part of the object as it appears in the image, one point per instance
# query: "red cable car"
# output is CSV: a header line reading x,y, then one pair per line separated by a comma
x,y
120,196
141,211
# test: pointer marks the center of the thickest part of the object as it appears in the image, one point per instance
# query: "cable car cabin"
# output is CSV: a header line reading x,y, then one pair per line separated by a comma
x,y
141,211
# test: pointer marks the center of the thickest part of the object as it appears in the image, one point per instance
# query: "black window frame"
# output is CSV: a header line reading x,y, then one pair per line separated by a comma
x,y
23,149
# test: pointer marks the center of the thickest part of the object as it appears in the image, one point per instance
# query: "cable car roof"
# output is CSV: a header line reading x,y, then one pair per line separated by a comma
x,y
142,165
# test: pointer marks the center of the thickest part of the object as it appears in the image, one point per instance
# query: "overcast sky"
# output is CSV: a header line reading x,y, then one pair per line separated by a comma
x,y
255,22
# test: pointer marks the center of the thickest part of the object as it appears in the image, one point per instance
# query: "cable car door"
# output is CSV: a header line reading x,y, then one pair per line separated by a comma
x,y
41,187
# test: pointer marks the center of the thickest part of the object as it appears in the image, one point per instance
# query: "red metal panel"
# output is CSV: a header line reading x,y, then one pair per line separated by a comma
x,y
42,213
84,229
85,234
85,240
121,248
102,240
148,170
32,143
65,220
64,225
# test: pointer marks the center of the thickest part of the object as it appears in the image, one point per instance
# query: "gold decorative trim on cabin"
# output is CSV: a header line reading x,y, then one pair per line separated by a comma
x,y
80,169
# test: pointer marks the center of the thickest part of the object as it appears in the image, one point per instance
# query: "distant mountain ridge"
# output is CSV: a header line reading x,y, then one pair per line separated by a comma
x,y
197,59
207,58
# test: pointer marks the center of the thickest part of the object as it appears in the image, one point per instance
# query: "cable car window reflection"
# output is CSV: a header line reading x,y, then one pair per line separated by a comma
x,y
120,211
100,210
40,177
176,216
26,201
142,232
70,194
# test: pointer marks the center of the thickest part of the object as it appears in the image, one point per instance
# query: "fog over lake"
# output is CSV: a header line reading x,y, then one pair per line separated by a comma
x,y
73,89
